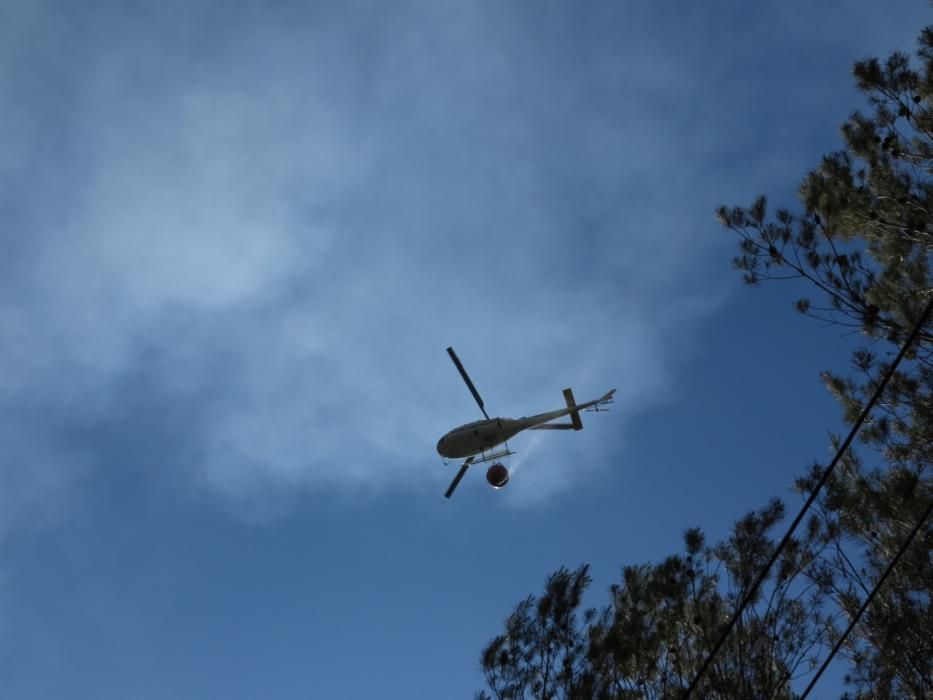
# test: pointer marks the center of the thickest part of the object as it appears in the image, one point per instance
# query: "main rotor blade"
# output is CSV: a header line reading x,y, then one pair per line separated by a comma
x,y
466,378
456,481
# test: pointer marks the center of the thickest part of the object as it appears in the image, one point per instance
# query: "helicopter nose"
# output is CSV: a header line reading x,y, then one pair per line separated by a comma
x,y
440,446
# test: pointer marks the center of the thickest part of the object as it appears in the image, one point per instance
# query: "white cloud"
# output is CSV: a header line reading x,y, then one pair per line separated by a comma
x,y
286,239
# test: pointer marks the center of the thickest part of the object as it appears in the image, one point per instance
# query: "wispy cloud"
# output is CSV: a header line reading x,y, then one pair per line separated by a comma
x,y
281,221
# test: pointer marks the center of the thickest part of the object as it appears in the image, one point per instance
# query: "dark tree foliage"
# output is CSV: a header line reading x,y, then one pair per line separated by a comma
x,y
862,244
662,620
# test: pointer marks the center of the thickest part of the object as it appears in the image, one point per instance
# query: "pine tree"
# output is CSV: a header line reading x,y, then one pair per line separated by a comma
x,y
863,242
662,621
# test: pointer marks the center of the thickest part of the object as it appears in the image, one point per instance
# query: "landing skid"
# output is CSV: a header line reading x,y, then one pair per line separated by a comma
x,y
492,455
485,456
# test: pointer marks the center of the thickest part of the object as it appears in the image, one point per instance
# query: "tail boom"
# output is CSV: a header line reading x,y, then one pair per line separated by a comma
x,y
542,420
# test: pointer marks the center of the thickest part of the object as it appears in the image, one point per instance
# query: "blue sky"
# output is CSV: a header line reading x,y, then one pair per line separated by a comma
x,y
237,238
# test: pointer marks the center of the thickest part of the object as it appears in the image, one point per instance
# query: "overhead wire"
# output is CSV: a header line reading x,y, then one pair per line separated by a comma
x,y
750,594
871,595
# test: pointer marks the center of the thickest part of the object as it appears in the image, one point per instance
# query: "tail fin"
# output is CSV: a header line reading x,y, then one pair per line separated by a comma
x,y
574,415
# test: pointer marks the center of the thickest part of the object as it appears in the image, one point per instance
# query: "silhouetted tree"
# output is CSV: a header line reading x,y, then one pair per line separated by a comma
x,y
661,622
863,243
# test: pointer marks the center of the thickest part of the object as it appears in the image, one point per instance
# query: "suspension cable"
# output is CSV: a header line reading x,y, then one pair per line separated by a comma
x,y
868,600
813,494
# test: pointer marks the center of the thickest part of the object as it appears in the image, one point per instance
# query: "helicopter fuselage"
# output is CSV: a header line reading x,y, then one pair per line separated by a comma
x,y
473,438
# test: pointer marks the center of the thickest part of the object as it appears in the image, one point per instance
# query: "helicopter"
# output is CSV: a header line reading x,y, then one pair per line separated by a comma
x,y
487,440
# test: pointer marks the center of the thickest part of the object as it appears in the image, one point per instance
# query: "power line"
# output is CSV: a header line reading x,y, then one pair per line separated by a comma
x,y
813,494
868,600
